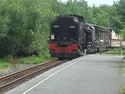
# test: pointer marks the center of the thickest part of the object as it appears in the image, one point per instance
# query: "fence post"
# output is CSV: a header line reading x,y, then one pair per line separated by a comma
x,y
100,52
121,50
121,45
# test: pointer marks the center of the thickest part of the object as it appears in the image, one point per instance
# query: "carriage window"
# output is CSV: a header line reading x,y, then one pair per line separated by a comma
x,y
100,34
108,35
105,34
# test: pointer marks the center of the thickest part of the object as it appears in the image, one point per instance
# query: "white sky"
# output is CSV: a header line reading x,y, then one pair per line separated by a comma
x,y
97,2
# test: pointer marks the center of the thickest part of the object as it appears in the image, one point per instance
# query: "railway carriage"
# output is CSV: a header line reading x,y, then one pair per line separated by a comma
x,y
105,39
102,37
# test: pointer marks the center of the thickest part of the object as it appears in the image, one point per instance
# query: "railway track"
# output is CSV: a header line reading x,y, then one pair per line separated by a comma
x,y
12,80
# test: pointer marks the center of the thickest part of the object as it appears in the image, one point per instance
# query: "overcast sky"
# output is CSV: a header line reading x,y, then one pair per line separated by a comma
x,y
97,2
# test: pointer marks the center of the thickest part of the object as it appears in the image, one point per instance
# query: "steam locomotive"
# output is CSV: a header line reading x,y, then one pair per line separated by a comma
x,y
68,37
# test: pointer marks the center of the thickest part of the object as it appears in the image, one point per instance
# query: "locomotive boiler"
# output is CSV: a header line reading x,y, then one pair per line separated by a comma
x,y
67,36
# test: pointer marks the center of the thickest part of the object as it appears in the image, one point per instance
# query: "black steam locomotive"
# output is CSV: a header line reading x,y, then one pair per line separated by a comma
x,y
70,36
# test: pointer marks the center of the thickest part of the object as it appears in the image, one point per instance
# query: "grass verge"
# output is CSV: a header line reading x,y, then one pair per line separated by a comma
x,y
112,52
9,60
123,88
5,62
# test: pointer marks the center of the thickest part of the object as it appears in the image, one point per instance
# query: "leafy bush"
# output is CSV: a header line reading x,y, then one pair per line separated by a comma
x,y
25,26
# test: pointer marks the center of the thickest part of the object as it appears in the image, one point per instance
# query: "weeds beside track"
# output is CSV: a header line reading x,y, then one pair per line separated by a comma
x,y
12,80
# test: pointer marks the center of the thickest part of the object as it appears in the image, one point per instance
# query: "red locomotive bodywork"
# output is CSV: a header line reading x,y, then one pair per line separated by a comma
x,y
65,47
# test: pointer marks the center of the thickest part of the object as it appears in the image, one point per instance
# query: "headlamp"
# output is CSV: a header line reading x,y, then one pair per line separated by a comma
x,y
52,36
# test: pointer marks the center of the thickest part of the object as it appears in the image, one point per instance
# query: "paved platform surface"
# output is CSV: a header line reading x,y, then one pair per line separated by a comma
x,y
91,74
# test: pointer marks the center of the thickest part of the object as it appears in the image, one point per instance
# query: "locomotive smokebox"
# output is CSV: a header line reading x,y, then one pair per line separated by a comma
x,y
65,29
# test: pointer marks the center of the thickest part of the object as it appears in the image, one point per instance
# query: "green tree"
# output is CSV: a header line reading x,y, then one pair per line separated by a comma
x,y
100,17
120,5
123,32
113,16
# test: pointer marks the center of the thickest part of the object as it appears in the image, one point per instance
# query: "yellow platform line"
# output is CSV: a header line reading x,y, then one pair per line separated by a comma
x,y
52,75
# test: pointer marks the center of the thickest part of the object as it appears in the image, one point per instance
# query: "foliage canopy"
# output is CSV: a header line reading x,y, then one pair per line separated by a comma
x,y
25,24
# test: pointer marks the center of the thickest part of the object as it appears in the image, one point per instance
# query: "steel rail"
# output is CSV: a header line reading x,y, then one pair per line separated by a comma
x,y
28,76
20,73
